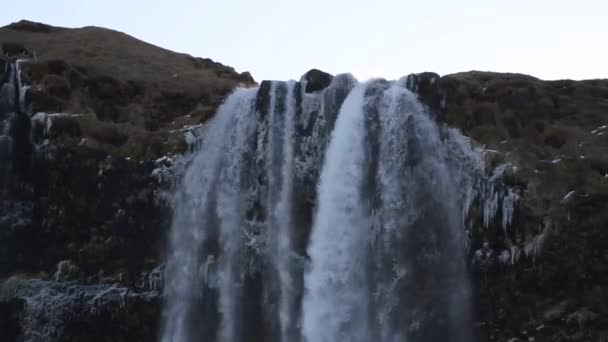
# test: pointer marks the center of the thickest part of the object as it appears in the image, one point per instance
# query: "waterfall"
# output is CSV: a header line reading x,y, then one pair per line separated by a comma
x,y
13,118
230,210
240,178
195,218
283,217
7,112
387,194
335,307
336,215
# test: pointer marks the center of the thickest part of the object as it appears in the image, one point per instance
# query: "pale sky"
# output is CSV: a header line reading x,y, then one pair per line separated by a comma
x,y
282,39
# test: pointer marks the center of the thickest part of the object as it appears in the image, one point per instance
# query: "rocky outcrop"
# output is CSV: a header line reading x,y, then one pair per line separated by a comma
x,y
551,287
85,210
57,311
316,80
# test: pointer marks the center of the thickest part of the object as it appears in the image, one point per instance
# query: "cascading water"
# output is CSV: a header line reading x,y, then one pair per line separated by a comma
x,y
194,220
14,141
14,121
388,220
282,219
335,307
377,253
8,109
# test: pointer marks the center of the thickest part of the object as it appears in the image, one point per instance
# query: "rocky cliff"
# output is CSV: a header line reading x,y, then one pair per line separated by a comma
x,y
102,117
554,132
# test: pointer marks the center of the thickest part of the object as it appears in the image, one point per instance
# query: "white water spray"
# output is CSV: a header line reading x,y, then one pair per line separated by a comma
x,y
335,306
193,217
384,234
283,216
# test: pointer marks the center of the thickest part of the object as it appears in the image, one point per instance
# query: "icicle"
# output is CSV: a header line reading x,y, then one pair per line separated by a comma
x,y
21,87
508,207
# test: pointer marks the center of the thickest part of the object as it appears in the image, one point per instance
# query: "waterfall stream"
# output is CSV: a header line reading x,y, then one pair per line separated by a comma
x,y
8,109
201,192
335,306
338,215
14,121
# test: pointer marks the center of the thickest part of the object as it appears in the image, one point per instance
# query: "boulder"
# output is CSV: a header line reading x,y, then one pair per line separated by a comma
x,y
316,80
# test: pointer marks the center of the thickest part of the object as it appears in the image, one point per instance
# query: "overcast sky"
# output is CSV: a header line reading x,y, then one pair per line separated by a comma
x,y
282,39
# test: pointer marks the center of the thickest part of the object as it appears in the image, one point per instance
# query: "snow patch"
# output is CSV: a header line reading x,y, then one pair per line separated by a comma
x,y
568,196
599,129
49,304
46,120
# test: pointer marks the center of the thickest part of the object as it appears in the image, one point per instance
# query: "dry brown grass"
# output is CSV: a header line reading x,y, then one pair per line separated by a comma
x,y
134,95
120,56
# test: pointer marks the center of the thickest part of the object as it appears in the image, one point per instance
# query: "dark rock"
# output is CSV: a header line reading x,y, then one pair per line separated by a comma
x,y
552,131
429,88
42,101
10,316
56,86
107,88
316,80
69,126
60,311
262,101
3,65
67,271
69,220
246,78
13,49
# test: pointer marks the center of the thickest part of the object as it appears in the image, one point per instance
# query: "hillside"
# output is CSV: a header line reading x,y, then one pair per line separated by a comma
x,y
132,93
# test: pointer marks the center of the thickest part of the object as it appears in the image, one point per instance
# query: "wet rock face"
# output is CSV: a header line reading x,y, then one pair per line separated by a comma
x,y
316,80
553,132
98,211
13,49
60,311
10,324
